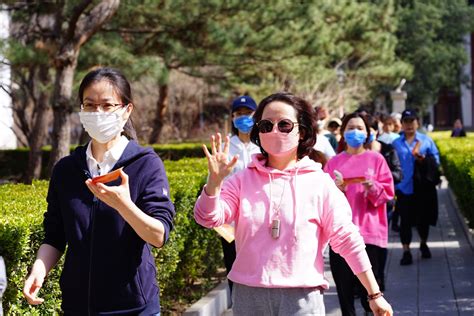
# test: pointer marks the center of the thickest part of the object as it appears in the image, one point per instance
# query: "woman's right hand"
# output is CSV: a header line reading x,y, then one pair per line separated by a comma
x,y
33,284
218,164
380,307
339,180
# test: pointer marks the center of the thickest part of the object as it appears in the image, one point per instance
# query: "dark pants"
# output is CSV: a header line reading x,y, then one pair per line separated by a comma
x,y
406,206
380,276
347,283
229,257
392,213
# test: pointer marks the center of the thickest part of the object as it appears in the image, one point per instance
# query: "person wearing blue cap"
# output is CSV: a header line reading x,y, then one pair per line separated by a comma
x,y
243,108
416,193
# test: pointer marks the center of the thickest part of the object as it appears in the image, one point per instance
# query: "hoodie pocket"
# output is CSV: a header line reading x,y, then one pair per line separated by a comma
x,y
146,281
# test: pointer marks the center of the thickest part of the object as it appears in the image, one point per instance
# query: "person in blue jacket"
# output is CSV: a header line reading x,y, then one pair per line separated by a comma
x,y
108,229
416,192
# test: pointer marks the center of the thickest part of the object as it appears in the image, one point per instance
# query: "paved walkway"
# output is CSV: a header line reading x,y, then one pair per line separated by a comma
x,y
442,285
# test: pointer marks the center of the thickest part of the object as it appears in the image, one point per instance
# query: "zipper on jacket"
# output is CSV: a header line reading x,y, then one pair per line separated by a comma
x,y
95,204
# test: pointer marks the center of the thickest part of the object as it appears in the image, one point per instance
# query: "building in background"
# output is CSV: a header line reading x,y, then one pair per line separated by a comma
x,y
451,105
7,136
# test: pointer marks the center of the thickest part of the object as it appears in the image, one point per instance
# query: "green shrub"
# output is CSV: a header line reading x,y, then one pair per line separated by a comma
x,y
178,151
457,159
21,209
14,162
192,252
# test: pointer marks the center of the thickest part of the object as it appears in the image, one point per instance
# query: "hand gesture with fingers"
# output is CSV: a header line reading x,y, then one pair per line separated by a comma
x,y
218,164
368,184
339,180
33,284
116,197
381,307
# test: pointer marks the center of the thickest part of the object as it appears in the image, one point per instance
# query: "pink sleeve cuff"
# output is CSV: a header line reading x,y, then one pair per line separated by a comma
x,y
374,194
359,262
207,211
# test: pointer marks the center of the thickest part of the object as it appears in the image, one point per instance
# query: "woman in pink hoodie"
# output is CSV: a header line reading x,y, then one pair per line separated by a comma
x,y
366,180
286,210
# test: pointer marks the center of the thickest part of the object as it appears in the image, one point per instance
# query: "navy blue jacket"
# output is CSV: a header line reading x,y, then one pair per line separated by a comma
x,y
108,269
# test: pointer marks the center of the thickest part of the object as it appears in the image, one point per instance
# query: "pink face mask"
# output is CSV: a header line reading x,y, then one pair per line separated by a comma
x,y
277,143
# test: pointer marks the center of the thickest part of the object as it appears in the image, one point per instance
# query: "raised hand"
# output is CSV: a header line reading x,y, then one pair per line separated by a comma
x,y
218,164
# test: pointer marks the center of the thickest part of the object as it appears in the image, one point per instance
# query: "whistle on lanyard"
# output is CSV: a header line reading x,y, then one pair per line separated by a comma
x,y
275,228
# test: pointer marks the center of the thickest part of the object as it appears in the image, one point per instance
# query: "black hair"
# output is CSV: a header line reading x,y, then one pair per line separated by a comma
x,y
342,143
372,121
305,116
121,87
388,120
333,124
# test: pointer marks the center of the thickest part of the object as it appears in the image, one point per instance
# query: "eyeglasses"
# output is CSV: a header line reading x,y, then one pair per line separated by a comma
x,y
284,126
103,107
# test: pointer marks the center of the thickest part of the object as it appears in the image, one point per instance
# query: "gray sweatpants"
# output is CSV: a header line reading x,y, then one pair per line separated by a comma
x,y
260,301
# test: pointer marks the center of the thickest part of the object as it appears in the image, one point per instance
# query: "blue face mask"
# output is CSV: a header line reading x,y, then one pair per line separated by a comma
x,y
355,138
244,123
371,138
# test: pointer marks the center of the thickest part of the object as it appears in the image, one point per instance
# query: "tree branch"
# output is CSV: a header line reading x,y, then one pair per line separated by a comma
x,y
88,24
76,13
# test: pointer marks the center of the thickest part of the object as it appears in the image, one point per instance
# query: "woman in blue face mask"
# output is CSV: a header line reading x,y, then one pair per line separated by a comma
x,y
243,108
365,178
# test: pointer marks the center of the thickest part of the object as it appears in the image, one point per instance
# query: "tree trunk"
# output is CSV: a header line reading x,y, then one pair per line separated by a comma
x,y
39,129
62,109
160,116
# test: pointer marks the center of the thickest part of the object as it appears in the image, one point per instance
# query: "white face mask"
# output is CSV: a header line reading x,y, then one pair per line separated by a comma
x,y
321,125
103,126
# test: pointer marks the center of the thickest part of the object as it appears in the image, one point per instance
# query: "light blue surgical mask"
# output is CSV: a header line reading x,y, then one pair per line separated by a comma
x,y
371,138
355,138
244,123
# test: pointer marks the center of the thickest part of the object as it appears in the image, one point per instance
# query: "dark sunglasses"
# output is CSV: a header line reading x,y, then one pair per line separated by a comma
x,y
284,126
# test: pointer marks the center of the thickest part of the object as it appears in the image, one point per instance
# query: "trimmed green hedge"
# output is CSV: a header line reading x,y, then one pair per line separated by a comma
x,y
192,252
457,159
14,162
178,151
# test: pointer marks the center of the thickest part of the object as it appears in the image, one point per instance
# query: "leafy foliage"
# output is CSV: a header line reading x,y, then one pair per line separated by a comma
x,y
258,46
431,38
13,162
457,158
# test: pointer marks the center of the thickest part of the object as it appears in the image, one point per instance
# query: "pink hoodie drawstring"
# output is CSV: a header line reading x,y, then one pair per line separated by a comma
x,y
295,201
295,204
270,211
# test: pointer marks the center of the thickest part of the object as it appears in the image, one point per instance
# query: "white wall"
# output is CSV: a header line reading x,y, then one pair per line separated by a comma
x,y
7,137
466,92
